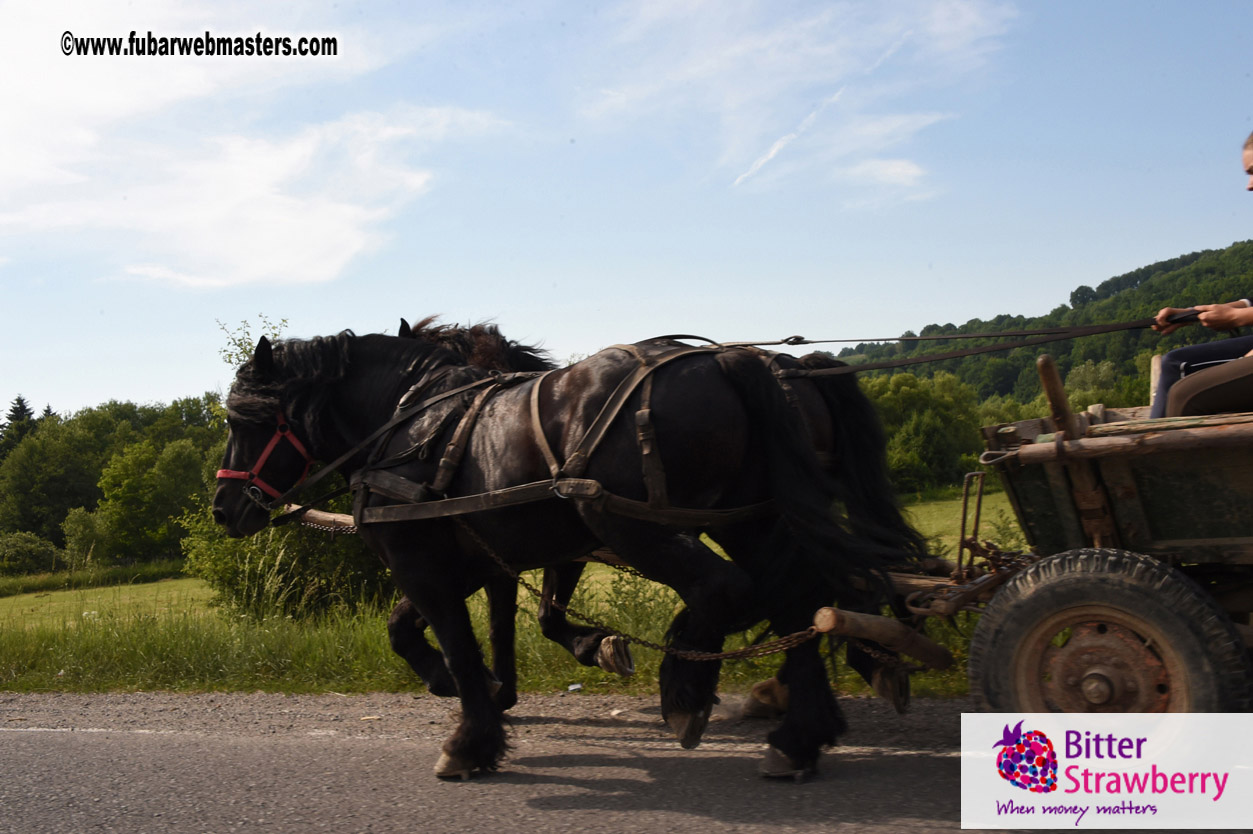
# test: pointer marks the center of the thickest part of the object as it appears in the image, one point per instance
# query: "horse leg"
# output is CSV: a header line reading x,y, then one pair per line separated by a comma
x,y
590,646
813,719
801,691
502,607
716,594
478,743
406,631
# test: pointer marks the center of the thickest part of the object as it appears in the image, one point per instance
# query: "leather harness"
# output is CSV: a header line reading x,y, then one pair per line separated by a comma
x,y
428,501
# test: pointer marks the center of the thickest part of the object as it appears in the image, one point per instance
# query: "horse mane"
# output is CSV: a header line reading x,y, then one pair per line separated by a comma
x,y
306,369
481,344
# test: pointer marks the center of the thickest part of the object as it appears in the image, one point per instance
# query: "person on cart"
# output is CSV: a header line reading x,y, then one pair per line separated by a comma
x,y
1212,377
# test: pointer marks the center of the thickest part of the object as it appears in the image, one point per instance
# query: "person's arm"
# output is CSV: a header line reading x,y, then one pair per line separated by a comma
x,y
1227,316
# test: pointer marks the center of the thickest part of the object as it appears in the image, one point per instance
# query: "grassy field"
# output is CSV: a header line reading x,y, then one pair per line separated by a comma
x,y
56,609
166,635
940,521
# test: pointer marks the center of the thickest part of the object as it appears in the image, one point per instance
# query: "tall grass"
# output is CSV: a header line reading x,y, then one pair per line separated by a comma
x,y
184,645
255,642
192,651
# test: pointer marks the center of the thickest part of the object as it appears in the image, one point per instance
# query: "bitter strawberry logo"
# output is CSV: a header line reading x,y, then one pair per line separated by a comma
x,y
1027,760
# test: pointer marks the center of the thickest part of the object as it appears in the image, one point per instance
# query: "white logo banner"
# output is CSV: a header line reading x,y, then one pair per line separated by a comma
x,y
1086,770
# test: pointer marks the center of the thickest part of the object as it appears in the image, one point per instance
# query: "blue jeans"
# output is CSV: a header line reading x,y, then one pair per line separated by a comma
x,y
1188,360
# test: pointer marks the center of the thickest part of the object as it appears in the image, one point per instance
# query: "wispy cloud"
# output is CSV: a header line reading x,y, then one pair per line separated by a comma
x,y
783,141
754,79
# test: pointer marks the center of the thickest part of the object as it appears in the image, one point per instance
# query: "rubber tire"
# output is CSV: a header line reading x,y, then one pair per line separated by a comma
x,y
1212,660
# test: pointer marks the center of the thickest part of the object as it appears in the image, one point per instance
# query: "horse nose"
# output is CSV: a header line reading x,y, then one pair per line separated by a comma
x,y
219,516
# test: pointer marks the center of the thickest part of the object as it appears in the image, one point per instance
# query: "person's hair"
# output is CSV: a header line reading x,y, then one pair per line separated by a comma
x,y
1248,143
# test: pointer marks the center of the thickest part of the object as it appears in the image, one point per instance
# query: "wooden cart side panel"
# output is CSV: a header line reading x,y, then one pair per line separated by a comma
x,y
1190,501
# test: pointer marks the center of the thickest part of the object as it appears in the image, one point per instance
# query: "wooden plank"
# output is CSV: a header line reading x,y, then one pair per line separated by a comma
x,y
1225,436
1168,424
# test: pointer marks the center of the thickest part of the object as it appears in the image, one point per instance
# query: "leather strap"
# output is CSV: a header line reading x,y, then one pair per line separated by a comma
x,y
541,440
576,464
456,448
654,471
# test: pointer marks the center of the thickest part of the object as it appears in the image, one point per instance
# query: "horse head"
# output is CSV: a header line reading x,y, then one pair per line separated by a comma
x,y
265,453
320,399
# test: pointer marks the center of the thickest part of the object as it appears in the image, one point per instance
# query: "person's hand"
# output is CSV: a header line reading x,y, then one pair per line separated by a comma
x,y
1222,316
1161,323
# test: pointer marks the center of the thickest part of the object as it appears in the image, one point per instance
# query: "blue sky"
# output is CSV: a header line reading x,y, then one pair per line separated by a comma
x,y
586,174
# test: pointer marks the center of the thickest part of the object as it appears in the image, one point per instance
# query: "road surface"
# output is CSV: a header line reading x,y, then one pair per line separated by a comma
x,y
171,763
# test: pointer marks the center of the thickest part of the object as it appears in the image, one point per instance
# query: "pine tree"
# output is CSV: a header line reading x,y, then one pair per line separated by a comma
x,y
19,422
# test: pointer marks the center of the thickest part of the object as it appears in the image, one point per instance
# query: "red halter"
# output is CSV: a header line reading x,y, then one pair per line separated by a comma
x,y
253,475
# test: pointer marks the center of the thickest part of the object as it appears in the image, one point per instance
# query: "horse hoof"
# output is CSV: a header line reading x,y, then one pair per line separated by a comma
x,y
688,727
452,767
768,699
614,655
892,684
779,765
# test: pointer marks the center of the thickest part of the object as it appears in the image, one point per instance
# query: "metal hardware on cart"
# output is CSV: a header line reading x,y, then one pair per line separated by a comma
x,y
981,566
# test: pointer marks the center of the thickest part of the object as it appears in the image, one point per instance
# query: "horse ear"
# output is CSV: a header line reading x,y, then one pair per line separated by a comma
x,y
263,357
405,332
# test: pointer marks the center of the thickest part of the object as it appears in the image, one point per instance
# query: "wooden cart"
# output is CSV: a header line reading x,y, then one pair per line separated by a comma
x,y
1138,591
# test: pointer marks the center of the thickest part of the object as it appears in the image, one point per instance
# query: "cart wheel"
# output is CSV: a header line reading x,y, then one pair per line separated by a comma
x,y
1099,630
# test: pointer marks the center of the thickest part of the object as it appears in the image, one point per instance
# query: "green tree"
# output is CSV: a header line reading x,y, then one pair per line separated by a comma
x,y
22,553
145,490
931,425
57,467
18,422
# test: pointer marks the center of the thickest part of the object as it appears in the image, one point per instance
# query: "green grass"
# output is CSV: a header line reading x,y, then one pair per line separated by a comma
x,y
940,520
167,635
91,578
55,609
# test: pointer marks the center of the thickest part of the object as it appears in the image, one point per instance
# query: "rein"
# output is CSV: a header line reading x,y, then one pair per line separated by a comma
x,y
566,482
1038,336
406,411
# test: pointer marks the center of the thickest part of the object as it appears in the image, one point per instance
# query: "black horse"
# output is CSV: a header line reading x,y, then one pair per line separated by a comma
x,y
840,423
730,445
485,346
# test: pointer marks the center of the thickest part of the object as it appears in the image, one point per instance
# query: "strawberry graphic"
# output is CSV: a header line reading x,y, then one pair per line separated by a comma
x,y
1027,760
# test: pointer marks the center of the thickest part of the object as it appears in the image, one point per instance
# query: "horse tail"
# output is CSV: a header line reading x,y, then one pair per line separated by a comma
x,y
860,467
805,496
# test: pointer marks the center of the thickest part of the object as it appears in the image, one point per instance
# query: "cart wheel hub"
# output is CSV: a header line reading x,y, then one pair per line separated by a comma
x,y
1104,666
1097,688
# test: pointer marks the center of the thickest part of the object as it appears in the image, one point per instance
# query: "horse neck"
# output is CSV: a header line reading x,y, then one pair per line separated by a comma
x,y
366,397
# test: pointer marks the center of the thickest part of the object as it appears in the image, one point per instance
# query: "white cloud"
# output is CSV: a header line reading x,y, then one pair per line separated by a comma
x,y
176,157
755,79
896,172
235,209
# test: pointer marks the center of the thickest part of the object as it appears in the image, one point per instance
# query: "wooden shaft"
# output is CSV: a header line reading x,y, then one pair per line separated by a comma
x,y
889,633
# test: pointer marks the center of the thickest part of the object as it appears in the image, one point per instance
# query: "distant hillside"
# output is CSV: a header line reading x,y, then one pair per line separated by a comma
x,y
1198,278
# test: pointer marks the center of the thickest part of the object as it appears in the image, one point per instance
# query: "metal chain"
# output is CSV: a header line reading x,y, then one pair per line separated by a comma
x,y
760,650
346,530
885,659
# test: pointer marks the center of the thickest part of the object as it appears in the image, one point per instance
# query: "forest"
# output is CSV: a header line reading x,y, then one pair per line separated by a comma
x,y
122,483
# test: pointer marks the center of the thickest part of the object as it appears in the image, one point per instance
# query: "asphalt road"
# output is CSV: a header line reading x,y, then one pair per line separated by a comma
x,y
159,762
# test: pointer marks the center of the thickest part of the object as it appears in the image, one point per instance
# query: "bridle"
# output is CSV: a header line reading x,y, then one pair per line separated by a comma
x,y
256,487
